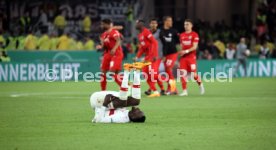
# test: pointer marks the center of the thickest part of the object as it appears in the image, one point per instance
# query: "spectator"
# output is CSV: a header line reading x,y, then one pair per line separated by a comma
x,y
60,23
25,22
44,42
86,23
220,46
63,42
230,51
207,55
4,56
43,21
21,42
30,42
212,49
261,23
273,53
53,41
12,42
264,51
79,45
89,44
2,42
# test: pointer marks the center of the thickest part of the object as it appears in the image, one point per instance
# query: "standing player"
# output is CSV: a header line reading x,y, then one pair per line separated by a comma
x,y
155,31
169,38
148,46
189,43
113,54
110,106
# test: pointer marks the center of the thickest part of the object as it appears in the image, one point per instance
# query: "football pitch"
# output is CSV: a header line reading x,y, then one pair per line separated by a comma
x,y
43,116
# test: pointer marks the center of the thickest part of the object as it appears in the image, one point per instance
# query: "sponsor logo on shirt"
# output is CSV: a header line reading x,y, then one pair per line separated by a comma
x,y
186,42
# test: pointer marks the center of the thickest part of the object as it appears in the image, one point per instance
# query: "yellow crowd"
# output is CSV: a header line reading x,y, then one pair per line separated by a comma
x,y
45,43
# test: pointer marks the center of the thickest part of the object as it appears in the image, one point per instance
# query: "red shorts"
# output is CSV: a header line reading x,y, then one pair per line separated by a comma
x,y
187,64
154,67
111,62
170,60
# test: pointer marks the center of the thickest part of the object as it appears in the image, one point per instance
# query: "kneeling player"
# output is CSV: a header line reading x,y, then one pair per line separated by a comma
x,y
110,106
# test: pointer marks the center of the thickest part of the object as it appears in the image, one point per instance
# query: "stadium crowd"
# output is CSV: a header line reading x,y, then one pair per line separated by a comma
x,y
217,41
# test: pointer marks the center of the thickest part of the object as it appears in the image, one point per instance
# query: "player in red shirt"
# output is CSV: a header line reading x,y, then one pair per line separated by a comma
x,y
113,54
148,45
189,43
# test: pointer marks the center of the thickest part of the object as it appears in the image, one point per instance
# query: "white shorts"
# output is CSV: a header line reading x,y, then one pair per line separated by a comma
x,y
97,98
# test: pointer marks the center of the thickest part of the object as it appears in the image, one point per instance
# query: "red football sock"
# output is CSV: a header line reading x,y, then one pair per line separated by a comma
x,y
151,85
184,83
197,78
170,73
118,79
103,82
160,83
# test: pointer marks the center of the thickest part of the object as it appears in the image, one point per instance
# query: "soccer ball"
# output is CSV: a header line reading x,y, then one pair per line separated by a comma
x,y
247,52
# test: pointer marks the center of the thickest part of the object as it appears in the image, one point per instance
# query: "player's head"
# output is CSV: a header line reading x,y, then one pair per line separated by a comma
x,y
243,40
168,21
153,24
106,24
188,25
136,115
140,24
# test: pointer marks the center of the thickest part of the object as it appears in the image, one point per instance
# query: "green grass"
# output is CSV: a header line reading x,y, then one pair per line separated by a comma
x,y
41,116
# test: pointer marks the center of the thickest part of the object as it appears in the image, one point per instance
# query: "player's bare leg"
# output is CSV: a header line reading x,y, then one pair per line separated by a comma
x,y
141,65
199,82
184,86
103,81
171,82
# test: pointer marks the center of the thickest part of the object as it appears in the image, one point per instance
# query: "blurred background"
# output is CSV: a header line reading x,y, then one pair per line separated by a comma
x,y
40,25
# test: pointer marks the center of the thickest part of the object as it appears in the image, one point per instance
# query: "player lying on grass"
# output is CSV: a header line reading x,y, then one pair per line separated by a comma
x,y
111,106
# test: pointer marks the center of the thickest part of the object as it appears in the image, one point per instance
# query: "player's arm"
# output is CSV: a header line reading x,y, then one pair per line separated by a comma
x,y
140,52
118,27
193,48
117,38
100,46
113,102
153,49
177,40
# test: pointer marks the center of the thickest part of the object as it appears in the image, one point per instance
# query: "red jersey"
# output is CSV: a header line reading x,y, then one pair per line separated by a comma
x,y
148,45
187,40
109,41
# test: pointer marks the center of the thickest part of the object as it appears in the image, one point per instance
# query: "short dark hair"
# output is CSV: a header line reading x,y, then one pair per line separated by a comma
x,y
107,21
138,120
154,19
141,21
189,20
166,17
